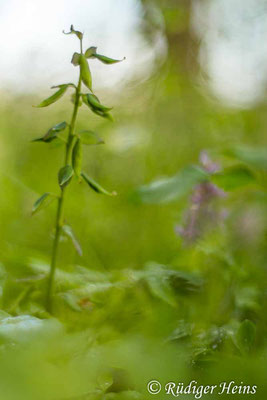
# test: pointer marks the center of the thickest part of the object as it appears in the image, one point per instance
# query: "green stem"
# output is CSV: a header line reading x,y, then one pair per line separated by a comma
x,y
59,214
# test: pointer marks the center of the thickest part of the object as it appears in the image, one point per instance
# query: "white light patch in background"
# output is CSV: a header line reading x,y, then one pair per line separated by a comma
x,y
233,49
35,53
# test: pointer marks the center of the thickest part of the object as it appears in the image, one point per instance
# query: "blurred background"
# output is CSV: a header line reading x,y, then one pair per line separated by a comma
x,y
175,270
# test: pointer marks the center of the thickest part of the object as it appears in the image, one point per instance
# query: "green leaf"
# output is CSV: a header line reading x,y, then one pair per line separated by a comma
x,y
56,96
85,72
75,59
256,157
245,336
95,186
65,175
90,52
107,60
90,138
52,133
95,104
233,178
77,157
69,232
73,31
42,202
171,189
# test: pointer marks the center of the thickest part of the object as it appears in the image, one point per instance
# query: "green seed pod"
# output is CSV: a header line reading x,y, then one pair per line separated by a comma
x,y
95,103
85,72
42,202
65,175
95,186
107,60
98,111
56,96
52,133
77,157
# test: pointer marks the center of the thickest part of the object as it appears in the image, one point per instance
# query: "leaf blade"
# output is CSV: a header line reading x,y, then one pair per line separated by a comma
x,y
233,178
88,137
170,189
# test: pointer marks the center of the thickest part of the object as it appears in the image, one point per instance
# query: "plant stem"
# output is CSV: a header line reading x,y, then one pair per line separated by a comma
x,y
59,214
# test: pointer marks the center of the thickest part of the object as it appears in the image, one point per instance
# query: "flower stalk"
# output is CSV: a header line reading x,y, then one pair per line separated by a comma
x,y
73,150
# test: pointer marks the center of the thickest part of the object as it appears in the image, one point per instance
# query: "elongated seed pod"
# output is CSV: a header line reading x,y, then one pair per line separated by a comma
x,y
95,103
85,71
56,96
77,157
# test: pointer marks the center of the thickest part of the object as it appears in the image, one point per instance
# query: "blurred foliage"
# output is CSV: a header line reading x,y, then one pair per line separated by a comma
x,y
171,284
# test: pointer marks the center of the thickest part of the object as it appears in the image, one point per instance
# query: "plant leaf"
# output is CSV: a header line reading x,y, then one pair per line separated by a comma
x,y
233,178
85,71
107,60
250,155
69,232
42,202
52,133
90,138
65,175
170,189
95,186
73,31
77,157
56,96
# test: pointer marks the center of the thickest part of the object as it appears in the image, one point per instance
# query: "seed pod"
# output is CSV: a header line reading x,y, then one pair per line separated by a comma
x,y
95,186
91,53
65,175
95,103
77,157
56,96
85,72
95,110
107,60
52,133
42,202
